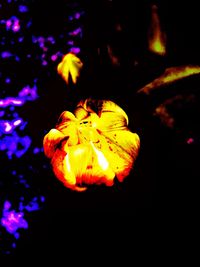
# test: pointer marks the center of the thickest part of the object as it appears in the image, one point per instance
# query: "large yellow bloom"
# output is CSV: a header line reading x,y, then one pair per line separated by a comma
x,y
92,146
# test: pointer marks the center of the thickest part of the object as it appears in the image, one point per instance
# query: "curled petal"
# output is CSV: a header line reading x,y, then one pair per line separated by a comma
x,y
51,141
66,116
81,113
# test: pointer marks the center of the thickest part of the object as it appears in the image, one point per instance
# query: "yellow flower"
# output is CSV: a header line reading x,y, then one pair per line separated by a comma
x,y
92,146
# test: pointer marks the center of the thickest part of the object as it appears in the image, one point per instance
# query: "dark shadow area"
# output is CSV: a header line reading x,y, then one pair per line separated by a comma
x,y
165,175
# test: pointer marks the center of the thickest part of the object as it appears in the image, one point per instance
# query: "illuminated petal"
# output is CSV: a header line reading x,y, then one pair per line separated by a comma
x,y
62,170
70,66
124,146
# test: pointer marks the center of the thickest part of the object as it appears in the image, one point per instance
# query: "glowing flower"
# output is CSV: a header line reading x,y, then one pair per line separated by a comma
x,y
92,146
70,66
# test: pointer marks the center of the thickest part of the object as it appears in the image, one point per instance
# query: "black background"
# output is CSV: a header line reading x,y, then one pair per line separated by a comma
x,y
162,187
